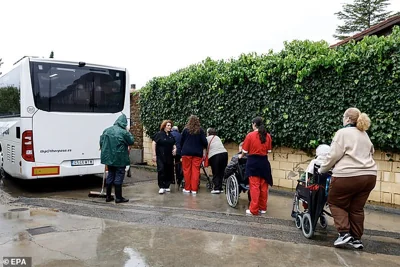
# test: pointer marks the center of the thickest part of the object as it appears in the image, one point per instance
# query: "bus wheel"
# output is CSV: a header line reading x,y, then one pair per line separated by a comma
x,y
2,171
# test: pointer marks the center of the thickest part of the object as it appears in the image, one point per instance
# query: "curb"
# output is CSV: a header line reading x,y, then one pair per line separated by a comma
x,y
369,206
290,192
145,167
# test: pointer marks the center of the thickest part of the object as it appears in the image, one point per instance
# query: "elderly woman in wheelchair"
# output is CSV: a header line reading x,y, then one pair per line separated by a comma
x,y
236,180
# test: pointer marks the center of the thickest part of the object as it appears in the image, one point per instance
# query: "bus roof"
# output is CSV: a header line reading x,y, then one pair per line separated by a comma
x,y
52,60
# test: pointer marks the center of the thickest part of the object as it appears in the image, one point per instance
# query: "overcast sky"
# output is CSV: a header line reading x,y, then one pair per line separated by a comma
x,y
157,37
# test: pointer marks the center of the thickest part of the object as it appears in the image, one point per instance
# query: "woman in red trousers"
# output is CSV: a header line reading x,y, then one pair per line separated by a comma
x,y
256,145
193,144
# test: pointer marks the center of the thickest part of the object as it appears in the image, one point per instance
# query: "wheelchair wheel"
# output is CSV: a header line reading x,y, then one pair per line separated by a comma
x,y
297,221
323,221
308,230
232,191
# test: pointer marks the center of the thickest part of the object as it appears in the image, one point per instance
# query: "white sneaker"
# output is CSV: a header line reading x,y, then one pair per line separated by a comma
x,y
262,211
356,244
167,190
343,239
215,192
185,191
248,212
194,192
161,191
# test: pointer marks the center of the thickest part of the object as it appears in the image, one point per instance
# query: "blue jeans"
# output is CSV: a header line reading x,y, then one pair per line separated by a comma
x,y
116,175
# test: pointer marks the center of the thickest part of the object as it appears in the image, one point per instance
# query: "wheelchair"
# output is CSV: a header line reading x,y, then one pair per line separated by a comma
x,y
310,201
237,183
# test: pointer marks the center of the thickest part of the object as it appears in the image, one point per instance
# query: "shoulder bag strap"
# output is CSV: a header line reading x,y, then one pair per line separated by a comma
x,y
209,145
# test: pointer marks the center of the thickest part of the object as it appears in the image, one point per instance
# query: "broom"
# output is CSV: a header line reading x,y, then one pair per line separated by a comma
x,y
100,194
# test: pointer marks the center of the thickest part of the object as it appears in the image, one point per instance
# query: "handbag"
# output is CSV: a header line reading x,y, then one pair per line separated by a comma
x,y
206,163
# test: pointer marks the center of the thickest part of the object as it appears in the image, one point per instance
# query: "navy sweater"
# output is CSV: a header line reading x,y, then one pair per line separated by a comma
x,y
193,144
177,137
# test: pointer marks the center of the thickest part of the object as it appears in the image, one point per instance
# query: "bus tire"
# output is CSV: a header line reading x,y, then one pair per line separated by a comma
x,y
3,174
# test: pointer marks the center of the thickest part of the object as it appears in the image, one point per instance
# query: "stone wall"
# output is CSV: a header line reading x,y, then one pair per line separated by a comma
x,y
287,165
136,125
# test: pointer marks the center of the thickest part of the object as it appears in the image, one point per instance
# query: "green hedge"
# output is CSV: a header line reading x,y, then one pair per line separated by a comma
x,y
301,92
9,101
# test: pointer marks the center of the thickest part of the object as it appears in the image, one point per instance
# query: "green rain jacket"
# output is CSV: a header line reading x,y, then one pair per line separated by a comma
x,y
114,144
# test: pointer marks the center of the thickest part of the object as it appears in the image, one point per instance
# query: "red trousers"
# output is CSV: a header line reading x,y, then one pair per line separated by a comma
x,y
191,172
258,194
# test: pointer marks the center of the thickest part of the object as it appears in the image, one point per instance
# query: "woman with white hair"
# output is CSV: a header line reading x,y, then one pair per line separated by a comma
x,y
353,176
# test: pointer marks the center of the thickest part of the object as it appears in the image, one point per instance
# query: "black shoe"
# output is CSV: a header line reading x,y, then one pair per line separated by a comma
x,y
122,200
109,197
118,195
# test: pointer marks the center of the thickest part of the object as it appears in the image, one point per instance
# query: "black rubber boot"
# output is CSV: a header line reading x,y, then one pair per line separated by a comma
x,y
118,195
109,197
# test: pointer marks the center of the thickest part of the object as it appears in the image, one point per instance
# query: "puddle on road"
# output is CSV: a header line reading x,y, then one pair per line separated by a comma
x,y
134,258
44,212
25,213
17,213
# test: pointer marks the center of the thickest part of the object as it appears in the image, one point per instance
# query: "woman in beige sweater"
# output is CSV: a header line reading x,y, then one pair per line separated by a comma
x,y
218,157
353,176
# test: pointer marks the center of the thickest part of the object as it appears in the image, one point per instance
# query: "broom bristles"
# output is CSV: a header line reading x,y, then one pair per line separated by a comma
x,y
98,194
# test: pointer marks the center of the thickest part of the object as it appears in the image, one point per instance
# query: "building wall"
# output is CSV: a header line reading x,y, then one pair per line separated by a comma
x,y
287,164
136,125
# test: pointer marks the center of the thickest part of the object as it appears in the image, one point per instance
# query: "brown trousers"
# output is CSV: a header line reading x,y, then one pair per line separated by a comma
x,y
346,199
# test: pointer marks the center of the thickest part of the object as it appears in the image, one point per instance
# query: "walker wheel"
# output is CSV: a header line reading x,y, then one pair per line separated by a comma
x,y
298,221
308,230
323,221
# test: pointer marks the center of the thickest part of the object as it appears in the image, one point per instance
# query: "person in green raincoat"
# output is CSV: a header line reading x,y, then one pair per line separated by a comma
x,y
114,143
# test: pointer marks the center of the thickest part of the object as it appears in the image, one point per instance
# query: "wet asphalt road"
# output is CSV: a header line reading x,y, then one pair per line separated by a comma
x,y
39,187
33,193
261,227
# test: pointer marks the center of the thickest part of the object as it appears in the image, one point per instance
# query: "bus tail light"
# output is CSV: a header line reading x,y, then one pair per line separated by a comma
x,y
27,146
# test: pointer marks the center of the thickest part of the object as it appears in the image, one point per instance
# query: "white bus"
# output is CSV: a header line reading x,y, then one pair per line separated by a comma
x,y
52,114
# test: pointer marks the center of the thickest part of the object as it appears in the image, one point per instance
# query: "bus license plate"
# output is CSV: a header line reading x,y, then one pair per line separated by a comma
x,y
82,162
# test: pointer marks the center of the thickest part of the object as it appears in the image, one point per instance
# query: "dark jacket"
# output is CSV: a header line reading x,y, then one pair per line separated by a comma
x,y
178,138
232,166
193,144
164,146
114,144
258,165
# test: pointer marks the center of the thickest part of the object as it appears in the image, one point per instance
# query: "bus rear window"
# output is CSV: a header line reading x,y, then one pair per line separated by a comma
x,y
10,105
68,88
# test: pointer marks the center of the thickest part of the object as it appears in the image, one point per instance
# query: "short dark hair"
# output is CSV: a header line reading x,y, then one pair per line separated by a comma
x,y
212,131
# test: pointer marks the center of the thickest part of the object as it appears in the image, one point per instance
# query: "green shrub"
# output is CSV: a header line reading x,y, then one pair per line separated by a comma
x,y
301,92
